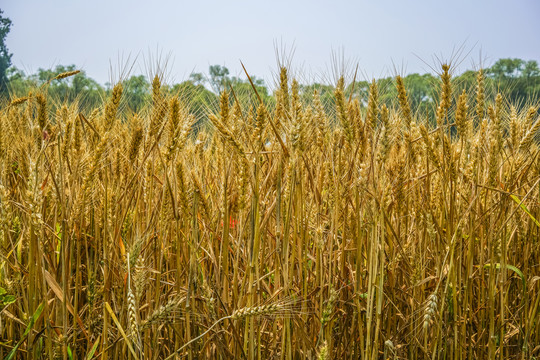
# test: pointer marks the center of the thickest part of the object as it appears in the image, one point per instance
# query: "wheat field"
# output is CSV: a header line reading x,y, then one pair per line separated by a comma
x,y
304,230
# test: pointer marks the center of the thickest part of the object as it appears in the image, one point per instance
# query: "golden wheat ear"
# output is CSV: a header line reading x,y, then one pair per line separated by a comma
x,y
66,74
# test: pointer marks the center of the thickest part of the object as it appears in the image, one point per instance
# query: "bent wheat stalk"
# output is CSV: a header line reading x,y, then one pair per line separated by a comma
x,y
237,314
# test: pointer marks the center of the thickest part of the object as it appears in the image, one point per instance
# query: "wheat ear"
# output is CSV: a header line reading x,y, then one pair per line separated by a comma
x,y
132,314
236,315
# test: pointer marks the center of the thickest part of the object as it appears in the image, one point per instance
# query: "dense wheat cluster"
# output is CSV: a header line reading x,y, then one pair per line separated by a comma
x,y
304,230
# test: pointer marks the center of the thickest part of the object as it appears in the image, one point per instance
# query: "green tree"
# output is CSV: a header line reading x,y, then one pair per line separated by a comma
x,y
530,75
530,69
198,99
506,68
246,95
5,56
136,92
218,77
420,93
18,83
78,88
326,94
518,80
466,81
197,79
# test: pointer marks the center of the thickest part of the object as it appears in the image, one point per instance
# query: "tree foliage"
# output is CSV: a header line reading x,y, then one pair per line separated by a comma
x,y
517,80
218,77
520,79
5,56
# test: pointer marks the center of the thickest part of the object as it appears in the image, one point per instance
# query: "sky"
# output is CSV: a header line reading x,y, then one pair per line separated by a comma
x,y
317,39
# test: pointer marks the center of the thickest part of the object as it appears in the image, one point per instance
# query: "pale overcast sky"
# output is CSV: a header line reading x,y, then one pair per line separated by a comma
x,y
377,35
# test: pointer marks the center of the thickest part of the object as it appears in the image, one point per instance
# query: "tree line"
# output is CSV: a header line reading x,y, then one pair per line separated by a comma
x,y
517,80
